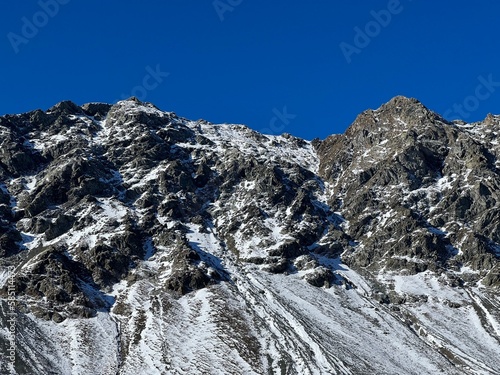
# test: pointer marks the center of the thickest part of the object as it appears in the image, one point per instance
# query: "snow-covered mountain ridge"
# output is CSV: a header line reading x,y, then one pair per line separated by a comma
x,y
146,243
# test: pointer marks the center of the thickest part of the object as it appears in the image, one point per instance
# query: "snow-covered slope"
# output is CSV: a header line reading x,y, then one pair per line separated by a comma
x,y
146,243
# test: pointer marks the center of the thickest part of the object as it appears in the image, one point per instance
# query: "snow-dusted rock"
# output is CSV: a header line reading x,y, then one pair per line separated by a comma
x,y
146,243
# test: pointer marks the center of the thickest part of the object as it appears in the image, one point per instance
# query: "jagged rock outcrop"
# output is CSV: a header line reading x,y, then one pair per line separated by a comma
x,y
417,191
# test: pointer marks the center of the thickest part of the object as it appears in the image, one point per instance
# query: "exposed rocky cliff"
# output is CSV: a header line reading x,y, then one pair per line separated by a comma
x,y
418,191
144,242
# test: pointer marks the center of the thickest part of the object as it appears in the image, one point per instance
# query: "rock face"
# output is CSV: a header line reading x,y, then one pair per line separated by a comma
x,y
419,193
143,242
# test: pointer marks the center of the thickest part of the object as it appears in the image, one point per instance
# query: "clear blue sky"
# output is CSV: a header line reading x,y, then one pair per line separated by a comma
x,y
248,59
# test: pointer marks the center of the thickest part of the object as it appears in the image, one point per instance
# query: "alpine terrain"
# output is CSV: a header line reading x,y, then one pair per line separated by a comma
x,y
134,241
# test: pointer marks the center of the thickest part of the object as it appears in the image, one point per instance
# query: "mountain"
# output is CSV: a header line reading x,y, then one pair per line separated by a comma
x,y
136,241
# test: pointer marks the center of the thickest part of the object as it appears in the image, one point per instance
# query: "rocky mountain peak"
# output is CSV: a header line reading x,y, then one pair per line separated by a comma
x,y
133,112
65,107
492,120
401,102
399,114
144,242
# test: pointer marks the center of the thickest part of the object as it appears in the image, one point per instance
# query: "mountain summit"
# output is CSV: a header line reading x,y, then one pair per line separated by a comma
x,y
141,242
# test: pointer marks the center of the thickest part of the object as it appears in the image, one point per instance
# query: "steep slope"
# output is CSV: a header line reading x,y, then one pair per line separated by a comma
x,y
143,242
404,162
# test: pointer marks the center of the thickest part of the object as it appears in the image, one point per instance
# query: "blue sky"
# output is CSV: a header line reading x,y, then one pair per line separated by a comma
x,y
302,67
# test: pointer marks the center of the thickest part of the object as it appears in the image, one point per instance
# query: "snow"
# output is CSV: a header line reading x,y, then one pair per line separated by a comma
x,y
4,276
444,183
460,331
74,349
31,183
424,283
112,208
314,324
255,322
250,142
